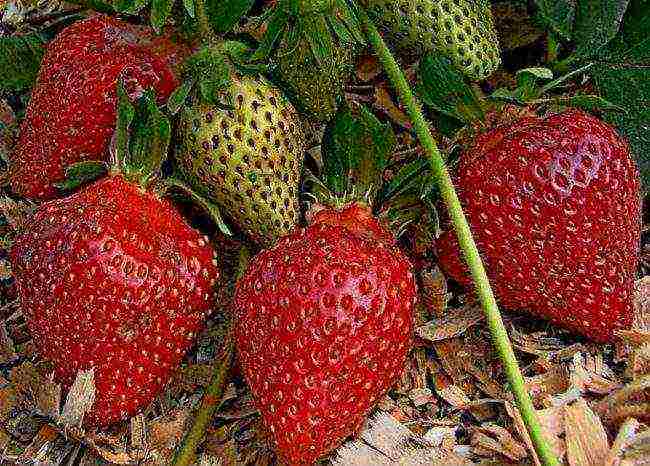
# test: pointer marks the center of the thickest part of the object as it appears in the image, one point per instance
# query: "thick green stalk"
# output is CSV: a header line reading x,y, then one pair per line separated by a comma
x,y
186,455
466,241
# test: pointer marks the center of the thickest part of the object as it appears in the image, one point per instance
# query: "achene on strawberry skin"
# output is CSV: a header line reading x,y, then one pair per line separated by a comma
x,y
554,204
113,279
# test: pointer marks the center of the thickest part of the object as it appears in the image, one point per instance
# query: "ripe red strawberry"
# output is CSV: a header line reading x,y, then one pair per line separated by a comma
x,y
324,324
71,115
554,205
113,279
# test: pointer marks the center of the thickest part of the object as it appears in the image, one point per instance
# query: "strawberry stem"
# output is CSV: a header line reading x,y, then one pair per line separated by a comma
x,y
186,455
466,241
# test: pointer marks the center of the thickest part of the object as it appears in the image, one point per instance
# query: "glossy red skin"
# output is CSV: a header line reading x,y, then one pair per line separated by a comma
x,y
71,114
554,205
324,325
112,278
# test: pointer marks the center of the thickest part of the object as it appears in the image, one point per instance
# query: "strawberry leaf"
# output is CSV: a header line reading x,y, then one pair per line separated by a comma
x,y
20,59
622,76
559,15
597,22
225,14
589,24
444,88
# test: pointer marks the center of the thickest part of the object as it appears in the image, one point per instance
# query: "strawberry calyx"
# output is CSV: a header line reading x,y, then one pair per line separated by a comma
x,y
323,24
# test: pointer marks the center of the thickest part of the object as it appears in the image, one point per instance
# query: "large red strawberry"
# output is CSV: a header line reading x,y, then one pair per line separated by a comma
x,y
554,205
112,278
71,115
324,324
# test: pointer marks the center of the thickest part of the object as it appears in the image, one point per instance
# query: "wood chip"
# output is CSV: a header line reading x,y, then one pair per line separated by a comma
x,y
491,438
586,439
79,400
386,442
455,322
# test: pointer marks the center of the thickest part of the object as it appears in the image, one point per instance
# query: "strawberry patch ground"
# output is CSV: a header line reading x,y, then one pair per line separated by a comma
x,y
450,403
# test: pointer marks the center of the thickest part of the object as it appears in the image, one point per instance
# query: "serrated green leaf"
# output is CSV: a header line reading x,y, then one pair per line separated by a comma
x,y
597,22
356,148
160,11
20,60
225,14
444,88
622,77
81,173
527,80
177,98
149,139
559,15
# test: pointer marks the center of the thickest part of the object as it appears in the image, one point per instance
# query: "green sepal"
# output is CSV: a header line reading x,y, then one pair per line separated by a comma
x,y
82,173
149,140
322,25
142,137
212,209
408,178
444,88
274,29
586,102
160,11
211,71
20,60
178,97
130,7
125,114
356,148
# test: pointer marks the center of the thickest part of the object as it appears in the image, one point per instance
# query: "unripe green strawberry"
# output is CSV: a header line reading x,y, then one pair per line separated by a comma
x,y
247,158
461,29
315,87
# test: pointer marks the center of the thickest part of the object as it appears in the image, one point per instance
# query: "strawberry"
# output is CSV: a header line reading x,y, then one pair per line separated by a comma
x,y
554,204
72,112
324,324
112,279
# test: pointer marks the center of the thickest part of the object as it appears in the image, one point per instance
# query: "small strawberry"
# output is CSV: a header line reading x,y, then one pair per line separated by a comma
x,y
244,147
71,115
554,204
462,30
325,317
113,279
